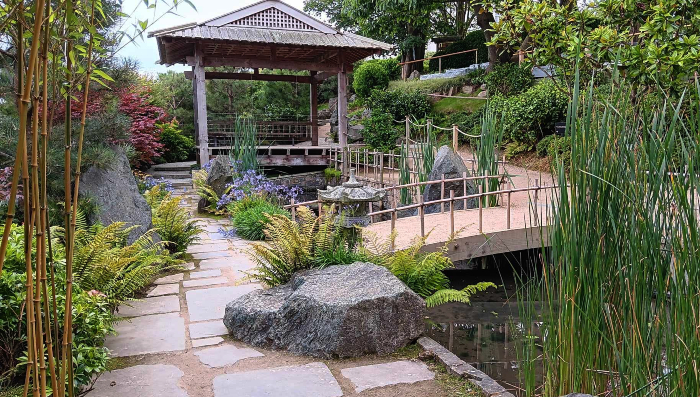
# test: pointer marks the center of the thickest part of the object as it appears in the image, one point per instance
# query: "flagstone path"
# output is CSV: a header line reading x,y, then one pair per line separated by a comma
x,y
173,343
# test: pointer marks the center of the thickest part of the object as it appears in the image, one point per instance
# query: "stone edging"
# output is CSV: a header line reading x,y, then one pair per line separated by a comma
x,y
456,366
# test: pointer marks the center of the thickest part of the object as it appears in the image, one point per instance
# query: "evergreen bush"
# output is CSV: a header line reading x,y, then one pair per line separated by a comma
x,y
368,77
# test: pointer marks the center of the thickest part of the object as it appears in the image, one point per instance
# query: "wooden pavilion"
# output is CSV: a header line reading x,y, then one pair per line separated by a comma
x,y
266,35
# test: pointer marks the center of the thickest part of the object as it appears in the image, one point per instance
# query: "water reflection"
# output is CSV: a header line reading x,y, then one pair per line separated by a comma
x,y
487,335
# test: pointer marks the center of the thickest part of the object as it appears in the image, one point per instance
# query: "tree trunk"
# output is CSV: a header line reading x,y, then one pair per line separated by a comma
x,y
414,53
484,20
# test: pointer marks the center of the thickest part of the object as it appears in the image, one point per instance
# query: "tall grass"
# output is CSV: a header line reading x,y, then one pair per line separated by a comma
x,y
487,162
405,174
244,144
621,283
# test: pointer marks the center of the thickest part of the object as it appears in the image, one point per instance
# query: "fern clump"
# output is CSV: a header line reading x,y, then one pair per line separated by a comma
x,y
172,222
250,220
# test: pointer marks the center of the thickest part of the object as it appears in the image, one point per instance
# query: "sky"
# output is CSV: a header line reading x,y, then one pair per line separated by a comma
x,y
146,51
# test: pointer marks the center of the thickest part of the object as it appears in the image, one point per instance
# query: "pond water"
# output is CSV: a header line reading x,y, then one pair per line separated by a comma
x,y
486,333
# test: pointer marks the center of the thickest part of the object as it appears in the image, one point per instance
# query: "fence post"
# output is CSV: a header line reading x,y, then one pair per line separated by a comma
x,y
455,137
442,194
294,210
366,161
408,131
487,180
464,185
537,211
393,226
439,65
452,213
421,213
481,209
508,212
381,169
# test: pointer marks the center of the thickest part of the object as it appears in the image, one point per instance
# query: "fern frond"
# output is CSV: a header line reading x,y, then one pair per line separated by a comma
x,y
452,295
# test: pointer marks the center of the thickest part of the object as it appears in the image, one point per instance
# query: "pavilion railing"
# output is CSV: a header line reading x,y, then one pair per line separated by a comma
x,y
279,130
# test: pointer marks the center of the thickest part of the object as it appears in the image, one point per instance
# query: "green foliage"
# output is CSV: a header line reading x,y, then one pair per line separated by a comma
x,y
381,132
205,192
178,147
12,322
515,148
104,263
463,104
251,218
543,145
391,65
310,242
470,123
332,173
368,77
457,295
477,77
560,151
245,141
532,114
509,79
432,86
399,104
173,223
473,40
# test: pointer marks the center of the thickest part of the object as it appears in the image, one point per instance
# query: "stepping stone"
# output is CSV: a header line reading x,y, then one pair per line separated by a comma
x,y
201,248
148,334
204,282
165,289
156,305
188,266
204,274
204,330
379,375
175,278
218,236
207,341
142,381
311,380
240,262
207,255
225,355
210,304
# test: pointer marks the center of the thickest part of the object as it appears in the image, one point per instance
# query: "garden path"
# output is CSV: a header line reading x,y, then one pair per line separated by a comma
x,y
173,343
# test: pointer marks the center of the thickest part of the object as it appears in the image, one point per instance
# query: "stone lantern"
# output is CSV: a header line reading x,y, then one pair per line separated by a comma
x,y
352,199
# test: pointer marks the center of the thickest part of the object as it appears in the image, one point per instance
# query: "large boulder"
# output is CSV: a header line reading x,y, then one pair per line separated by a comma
x,y
450,164
114,191
355,133
220,174
339,311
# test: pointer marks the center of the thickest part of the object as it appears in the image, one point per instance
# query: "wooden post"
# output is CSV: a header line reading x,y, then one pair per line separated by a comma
x,y
343,115
455,137
421,213
366,163
439,65
408,132
381,169
314,109
508,212
487,180
200,92
464,185
442,194
452,212
481,209
537,211
393,226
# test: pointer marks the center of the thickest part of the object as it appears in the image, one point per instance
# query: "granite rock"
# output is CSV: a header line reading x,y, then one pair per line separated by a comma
x,y
449,163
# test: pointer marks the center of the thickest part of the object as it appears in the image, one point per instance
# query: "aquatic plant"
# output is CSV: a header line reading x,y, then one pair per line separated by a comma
x,y
244,145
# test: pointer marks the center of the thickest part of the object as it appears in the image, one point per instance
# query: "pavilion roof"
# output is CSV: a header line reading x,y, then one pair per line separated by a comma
x,y
267,30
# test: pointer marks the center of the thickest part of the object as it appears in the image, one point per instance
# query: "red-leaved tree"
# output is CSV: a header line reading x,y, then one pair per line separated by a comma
x,y
145,135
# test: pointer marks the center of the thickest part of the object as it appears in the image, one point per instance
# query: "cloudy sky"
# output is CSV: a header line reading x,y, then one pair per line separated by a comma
x,y
146,51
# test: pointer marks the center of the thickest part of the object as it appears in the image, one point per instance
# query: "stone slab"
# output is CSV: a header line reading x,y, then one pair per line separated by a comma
x,y
207,341
222,356
238,262
204,282
311,380
148,334
201,248
209,255
205,274
388,374
210,304
207,329
142,381
164,289
155,305
173,278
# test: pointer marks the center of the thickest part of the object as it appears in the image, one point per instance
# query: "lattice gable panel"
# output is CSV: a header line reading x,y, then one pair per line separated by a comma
x,y
273,18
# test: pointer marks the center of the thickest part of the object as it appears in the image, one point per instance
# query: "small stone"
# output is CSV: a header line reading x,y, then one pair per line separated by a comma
x,y
141,381
174,278
188,266
482,94
205,274
156,305
379,375
311,380
207,341
225,355
204,282
204,330
165,289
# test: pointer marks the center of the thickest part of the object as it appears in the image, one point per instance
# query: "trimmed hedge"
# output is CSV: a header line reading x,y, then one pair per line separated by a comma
x,y
368,77
473,40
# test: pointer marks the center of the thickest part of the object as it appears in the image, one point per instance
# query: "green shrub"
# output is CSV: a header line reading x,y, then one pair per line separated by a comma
x,y
532,114
178,147
560,150
477,77
251,219
515,148
470,123
509,79
390,65
381,132
173,223
543,145
369,77
399,104
473,40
